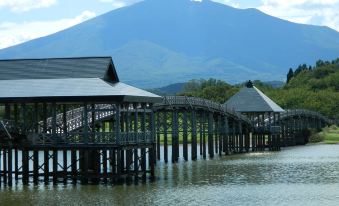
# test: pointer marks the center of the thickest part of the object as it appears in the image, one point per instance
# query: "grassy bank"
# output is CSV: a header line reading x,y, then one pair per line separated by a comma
x,y
331,135
328,135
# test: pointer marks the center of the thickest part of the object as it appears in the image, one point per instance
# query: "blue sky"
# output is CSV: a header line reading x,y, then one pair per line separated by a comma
x,y
23,20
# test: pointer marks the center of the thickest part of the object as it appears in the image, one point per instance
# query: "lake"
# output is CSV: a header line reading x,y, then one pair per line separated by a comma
x,y
305,175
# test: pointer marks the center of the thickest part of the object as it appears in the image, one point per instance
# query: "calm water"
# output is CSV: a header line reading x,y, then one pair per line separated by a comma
x,y
307,175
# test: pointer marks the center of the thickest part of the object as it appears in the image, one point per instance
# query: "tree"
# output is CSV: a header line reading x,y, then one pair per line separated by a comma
x,y
290,75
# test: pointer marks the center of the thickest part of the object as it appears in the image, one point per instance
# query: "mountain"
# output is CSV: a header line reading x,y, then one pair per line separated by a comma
x,y
171,89
159,42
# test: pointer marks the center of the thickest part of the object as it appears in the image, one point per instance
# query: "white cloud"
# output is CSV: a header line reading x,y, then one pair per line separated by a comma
x,y
25,5
120,3
318,12
15,33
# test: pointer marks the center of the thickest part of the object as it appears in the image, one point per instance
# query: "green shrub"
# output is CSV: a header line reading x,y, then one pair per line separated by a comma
x,y
316,136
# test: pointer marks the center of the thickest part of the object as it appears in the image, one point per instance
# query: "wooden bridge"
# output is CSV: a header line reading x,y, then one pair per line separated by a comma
x,y
104,130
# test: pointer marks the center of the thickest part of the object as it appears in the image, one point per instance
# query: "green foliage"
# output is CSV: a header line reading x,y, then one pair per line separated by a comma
x,y
315,88
316,136
290,75
212,89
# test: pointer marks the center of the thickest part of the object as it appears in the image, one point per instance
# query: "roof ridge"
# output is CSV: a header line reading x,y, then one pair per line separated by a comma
x,y
266,99
56,58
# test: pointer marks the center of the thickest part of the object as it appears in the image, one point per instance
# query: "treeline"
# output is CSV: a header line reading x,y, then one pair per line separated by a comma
x,y
308,87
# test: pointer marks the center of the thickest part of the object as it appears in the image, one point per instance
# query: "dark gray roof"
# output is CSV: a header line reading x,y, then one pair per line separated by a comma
x,y
66,80
57,68
71,90
252,100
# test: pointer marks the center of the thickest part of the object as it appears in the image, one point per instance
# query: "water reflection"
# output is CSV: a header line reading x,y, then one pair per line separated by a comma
x,y
306,175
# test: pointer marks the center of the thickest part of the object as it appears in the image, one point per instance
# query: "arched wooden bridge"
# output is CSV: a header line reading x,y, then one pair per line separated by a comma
x,y
295,125
204,124
183,127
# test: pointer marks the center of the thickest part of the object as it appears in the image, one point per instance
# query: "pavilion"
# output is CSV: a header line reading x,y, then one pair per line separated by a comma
x,y
263,113
75,105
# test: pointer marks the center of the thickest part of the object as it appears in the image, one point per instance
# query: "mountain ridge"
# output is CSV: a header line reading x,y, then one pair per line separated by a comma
x,y
159,42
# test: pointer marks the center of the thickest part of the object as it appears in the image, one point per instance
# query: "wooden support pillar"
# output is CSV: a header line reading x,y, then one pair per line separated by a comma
x,y
143,150
35,166
175,136
151,152
4,166
10,166
226,136
204,136
158,126
220,135
135,127
210,135
263,138
25,166
241,137
165,123
74,166
151,159
94,162
194,135
16,164
46,166
201,128
143,162
104,164
233,136
119,170
55,166
65,164
185,135
113,157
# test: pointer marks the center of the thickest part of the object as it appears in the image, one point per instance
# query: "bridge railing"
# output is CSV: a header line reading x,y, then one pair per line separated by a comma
x,y
195,102
125,138
305,112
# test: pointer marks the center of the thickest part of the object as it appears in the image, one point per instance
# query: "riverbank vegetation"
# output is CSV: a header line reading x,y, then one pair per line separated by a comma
x,y
328,135
308,87
331,135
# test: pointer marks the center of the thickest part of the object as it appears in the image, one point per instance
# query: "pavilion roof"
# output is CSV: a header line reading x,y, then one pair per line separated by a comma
x,y
251,100
66,79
